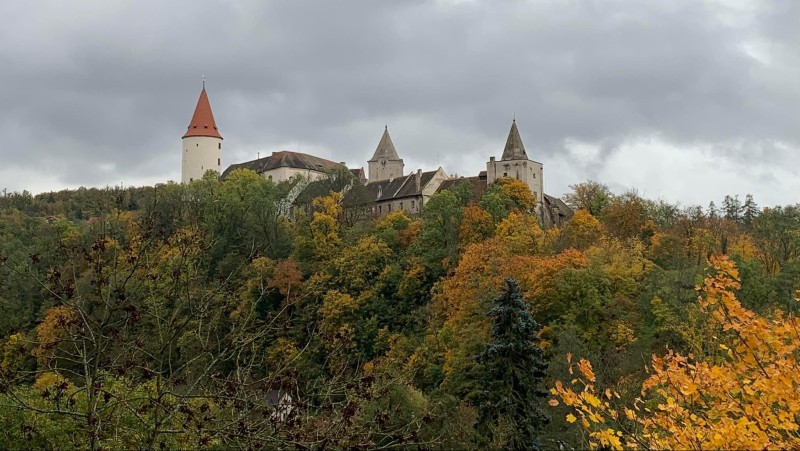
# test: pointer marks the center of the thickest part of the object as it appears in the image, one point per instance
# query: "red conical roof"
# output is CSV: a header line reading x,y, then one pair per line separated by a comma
x,y
202,123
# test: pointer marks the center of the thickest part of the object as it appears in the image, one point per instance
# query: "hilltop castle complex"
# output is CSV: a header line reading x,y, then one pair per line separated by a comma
x,y
384,188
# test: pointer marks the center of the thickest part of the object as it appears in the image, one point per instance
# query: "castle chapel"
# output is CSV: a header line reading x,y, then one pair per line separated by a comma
x,y
386,187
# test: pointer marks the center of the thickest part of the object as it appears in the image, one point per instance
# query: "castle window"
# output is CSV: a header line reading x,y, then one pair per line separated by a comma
x,y
505,174
390,207
412,204
380,209
197,145
219,145
401,205
218,162
269,177
191,179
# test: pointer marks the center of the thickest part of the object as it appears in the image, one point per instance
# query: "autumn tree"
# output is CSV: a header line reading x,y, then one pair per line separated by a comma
x,y
745,397
590,196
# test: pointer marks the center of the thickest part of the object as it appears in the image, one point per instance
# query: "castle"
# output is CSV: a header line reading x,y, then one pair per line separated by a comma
x,y
385,188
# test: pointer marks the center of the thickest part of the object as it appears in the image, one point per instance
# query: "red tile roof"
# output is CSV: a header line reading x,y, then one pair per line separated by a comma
x,y
202,123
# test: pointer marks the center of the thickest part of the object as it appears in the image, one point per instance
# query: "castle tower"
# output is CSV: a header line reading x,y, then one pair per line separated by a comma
x,y
202,143
385,164
516,164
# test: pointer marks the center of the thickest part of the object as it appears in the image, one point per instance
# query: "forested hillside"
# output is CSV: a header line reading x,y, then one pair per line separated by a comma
x,y
197,316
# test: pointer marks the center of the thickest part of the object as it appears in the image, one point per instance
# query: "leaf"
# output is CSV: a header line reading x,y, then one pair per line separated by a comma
x,y
571,418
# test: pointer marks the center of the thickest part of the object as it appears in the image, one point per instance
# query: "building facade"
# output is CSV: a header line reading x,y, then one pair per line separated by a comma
x,y
515,164
383,189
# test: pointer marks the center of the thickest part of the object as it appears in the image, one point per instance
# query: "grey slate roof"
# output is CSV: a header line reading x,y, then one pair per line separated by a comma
x,y
400,187
557,206
287,159
514,149
385,148
359,175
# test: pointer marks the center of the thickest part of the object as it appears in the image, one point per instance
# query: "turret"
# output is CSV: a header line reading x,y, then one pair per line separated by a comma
x,y
385,164
202,143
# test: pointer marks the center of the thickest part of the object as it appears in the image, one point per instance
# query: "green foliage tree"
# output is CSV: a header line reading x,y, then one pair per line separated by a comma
x,y
590,196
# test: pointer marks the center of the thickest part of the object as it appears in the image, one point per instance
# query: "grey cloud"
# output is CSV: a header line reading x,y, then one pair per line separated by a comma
x,y
115,83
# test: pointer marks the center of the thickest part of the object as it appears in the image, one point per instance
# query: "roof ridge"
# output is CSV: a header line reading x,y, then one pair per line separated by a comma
x,y
402,184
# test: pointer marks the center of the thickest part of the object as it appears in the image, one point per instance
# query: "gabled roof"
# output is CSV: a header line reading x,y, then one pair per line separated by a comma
x,y
287,159
514,149
359,175
202,123
385,148
397,188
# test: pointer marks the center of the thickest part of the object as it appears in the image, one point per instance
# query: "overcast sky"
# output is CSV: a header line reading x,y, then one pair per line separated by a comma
x,y
684,101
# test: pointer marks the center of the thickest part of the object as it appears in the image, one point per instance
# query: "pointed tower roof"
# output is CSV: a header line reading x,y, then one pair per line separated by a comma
x,y
385,148
202,123
514,150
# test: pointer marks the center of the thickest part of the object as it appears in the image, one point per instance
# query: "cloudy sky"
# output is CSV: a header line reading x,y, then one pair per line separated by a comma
x,y
683,100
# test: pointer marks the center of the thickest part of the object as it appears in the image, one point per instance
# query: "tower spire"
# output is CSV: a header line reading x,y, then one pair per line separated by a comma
x,y
202,123
514,149
385,147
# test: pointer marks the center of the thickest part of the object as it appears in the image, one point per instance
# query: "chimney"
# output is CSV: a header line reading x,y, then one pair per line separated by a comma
x,y
491,159
419,179
343,163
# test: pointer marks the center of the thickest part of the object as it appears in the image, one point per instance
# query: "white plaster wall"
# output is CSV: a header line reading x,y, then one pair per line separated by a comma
x,y
528,171
284,173
433,184
200,154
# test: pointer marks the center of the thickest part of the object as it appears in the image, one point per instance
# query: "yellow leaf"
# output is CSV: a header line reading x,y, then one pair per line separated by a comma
x,y
571,418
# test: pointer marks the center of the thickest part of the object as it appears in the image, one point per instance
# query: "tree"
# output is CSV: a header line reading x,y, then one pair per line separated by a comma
x,y
732,207
625,216
590,196
514,369
743,397
776,233
712,210
749,210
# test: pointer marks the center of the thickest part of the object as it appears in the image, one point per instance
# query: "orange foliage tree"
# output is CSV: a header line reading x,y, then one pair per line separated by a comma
x,y
748,397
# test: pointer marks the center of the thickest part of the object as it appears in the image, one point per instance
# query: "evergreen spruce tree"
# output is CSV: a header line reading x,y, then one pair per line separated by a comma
x,y
732,207
713,213
513,370
749,210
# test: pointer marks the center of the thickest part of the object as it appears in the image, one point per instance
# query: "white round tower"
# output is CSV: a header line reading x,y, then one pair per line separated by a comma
x,y
202,143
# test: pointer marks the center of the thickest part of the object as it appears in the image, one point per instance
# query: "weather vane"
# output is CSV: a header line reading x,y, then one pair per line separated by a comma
x,y
204,81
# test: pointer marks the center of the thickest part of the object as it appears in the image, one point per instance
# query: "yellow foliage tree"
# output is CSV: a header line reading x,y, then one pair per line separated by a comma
x,y
748,398
521,234
519,193
582,230
476,226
